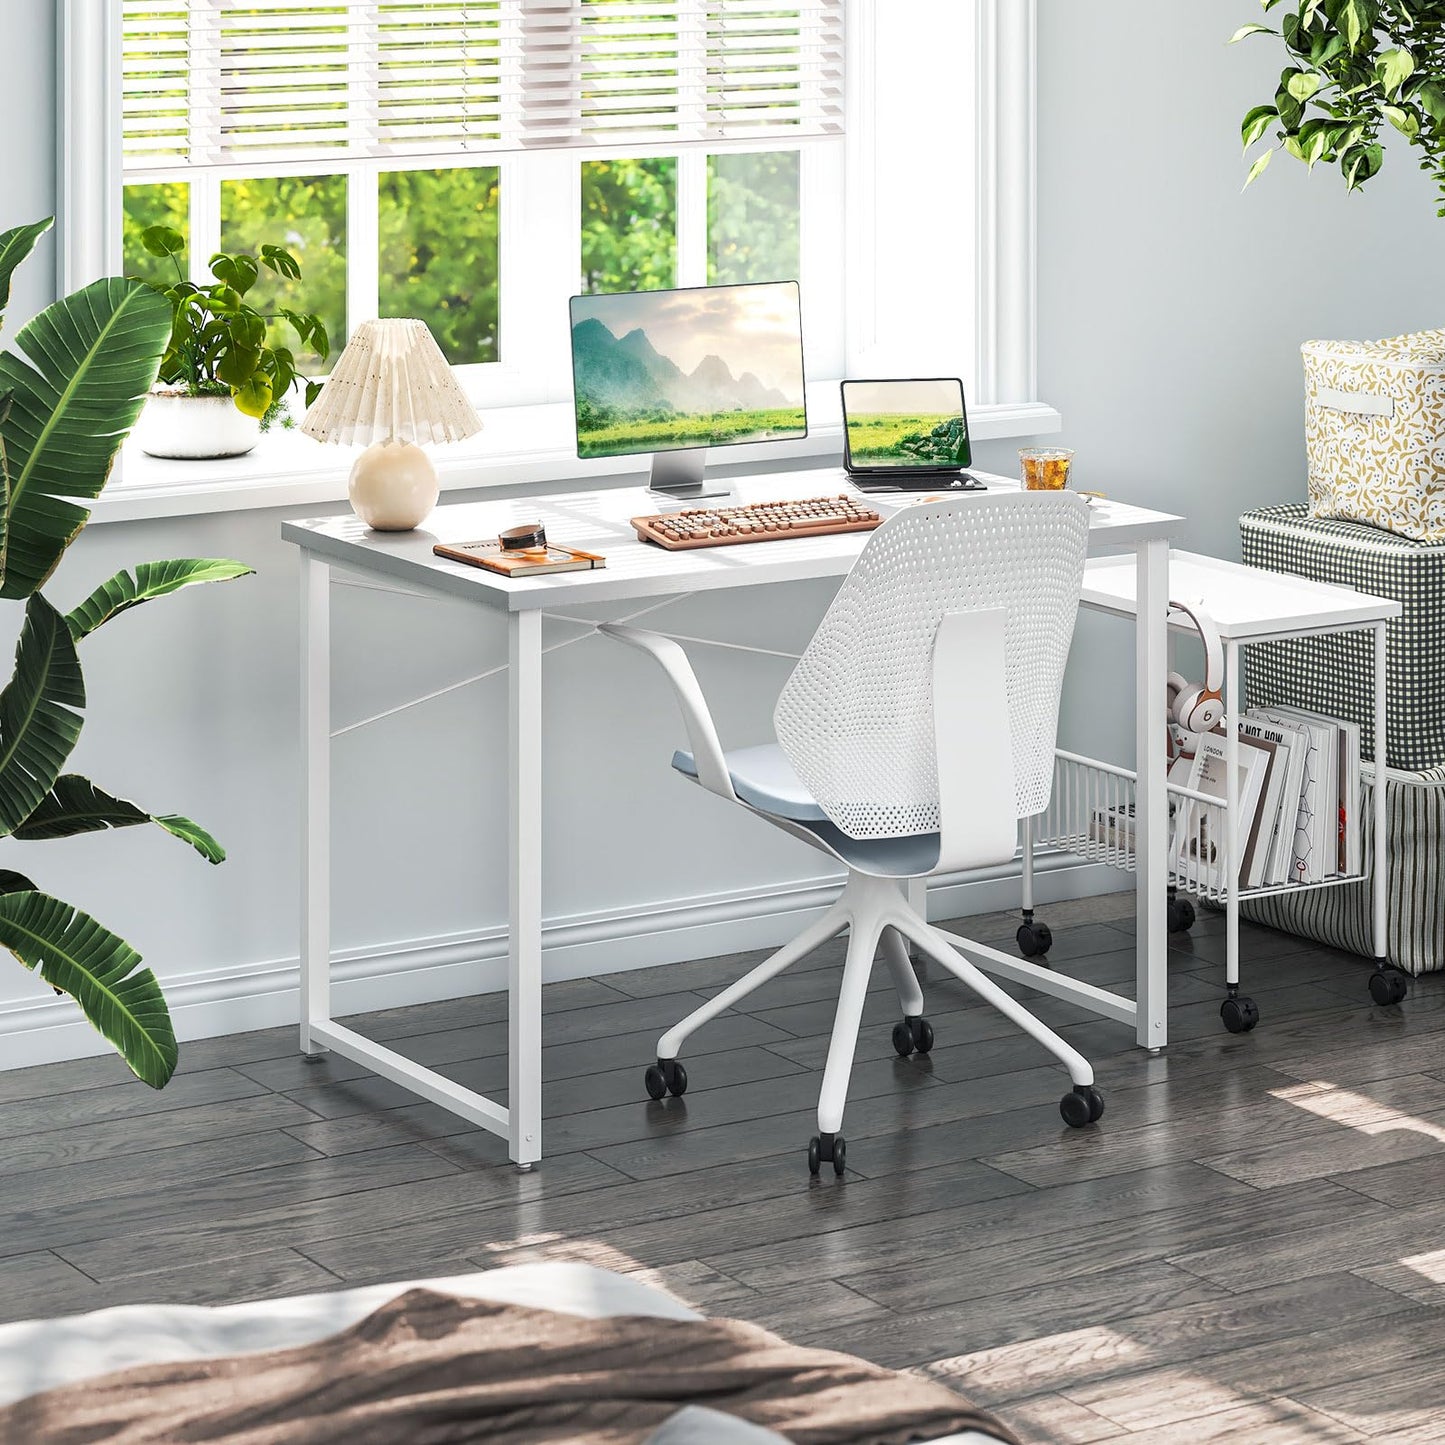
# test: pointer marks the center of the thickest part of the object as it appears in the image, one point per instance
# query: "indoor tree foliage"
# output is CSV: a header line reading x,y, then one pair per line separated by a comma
x,y
69,394
1356,69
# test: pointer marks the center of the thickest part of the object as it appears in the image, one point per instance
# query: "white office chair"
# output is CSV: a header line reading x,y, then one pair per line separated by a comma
x,y
916,730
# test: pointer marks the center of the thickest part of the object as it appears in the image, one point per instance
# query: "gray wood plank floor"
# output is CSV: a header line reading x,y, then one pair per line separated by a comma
x,y
1248,1246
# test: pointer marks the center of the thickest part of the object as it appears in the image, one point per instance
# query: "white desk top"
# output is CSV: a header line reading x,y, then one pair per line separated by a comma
x,y
1245,603
599,522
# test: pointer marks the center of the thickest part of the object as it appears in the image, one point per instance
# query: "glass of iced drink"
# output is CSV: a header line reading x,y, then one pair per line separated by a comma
x,y
1045,469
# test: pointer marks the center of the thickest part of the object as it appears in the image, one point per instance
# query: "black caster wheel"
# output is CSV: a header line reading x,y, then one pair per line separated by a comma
x,y
912,1035
1179,917
1239,1014
1387,986
1034,939
825,1148
1083,1106
665,1076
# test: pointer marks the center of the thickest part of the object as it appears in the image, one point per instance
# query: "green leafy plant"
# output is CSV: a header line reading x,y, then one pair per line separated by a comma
x,y
1355,70
218,343
69,394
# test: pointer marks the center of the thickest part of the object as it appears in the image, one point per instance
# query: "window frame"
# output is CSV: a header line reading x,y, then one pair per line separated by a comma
x,y
839,262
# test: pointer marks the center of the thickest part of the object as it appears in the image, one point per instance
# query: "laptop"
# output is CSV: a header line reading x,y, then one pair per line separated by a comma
x,y
901,436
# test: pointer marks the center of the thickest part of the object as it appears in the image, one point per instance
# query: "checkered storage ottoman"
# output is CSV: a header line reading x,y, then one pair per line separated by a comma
x,y
1335,674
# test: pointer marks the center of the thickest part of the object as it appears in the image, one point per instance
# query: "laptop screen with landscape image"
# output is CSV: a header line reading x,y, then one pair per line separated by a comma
x,y
905,426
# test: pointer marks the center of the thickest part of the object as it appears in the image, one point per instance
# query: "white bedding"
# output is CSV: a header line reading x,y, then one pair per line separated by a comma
x,y
38,1355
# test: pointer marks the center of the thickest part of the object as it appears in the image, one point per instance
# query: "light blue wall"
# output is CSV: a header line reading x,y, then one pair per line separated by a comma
x,y
1171,312
27,113
1171,305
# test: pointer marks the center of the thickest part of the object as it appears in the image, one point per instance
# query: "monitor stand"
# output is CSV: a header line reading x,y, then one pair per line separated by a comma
x,y
678,476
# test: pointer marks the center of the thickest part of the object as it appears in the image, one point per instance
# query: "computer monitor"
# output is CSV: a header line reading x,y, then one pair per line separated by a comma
x,y
672,373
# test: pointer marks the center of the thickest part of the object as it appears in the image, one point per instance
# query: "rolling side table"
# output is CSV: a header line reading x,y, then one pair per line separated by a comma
x,y
1247,605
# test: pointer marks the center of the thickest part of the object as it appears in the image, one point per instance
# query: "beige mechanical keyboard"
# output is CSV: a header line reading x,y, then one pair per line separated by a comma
x,y
757,522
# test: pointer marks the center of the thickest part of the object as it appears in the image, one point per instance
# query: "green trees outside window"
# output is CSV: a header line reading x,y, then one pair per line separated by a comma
x,y
166,203
306,215
439,255
629,224
752,216
438,237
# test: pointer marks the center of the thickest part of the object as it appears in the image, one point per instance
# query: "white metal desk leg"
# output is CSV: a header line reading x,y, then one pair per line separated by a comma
x,y
1387,985
1382,842
315,798
524,886
1233,853
1151,798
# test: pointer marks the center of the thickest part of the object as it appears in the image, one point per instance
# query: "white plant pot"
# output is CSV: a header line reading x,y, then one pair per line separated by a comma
x,y
194,427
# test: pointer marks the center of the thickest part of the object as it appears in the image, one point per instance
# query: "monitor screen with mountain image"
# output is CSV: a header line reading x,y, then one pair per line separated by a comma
x,y
674,372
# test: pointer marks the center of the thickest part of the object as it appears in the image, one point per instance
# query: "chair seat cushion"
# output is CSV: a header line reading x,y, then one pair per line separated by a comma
x,y
763,777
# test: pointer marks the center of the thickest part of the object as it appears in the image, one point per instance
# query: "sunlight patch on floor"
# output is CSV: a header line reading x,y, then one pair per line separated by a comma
x,y
1035,1366
1431,1265
1355,1111
1136,1393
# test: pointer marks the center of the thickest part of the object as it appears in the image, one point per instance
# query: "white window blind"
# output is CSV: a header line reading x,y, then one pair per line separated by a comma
x,y
211,83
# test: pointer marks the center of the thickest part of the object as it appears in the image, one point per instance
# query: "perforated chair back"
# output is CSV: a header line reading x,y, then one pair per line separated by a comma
x,y
855,719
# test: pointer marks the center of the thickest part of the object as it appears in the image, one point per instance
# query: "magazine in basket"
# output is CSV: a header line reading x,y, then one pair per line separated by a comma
x,y
1199,844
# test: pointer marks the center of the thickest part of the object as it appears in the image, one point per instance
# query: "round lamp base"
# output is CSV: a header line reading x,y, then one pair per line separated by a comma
x,y
393,486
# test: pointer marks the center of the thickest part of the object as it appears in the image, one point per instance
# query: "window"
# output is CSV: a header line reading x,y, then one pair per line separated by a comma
x,y
497,156
475,162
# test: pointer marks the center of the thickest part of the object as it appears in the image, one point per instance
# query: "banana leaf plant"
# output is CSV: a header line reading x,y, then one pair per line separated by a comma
x,y
69,394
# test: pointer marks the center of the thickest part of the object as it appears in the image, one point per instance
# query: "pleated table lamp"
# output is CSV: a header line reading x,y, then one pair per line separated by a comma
x,y
392,388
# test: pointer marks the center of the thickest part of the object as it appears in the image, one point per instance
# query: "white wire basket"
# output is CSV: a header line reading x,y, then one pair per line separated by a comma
x,y
1091,814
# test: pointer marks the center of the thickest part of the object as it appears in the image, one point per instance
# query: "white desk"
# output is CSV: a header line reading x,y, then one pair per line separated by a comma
x,y
635,571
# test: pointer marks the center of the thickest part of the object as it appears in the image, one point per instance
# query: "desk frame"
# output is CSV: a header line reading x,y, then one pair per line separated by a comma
x,y
520,1122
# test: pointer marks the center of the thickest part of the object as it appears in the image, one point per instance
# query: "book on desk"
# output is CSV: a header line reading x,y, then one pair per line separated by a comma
x,y
535,562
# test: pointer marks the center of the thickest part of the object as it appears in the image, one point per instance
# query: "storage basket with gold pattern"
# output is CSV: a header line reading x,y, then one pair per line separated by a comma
x,y
1375,432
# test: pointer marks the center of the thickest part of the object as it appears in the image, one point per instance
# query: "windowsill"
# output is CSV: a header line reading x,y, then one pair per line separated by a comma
x,y
531,447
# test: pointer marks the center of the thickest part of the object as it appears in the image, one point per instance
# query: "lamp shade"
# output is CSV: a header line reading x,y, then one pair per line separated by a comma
x,y
391,383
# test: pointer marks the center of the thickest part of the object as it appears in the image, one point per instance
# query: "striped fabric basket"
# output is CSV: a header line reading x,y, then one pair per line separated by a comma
x,y
1342,918
1336,674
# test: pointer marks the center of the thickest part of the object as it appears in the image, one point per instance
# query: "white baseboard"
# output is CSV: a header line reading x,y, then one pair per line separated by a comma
x,y
210,1003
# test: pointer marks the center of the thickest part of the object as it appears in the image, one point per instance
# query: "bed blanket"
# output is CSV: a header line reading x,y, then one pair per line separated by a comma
x,y
433,1369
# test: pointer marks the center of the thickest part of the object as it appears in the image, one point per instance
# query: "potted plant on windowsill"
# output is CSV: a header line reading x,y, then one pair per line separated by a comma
x,y
221,382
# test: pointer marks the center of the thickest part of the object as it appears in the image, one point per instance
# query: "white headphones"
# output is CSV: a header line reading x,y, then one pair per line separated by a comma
x,y
1196,707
